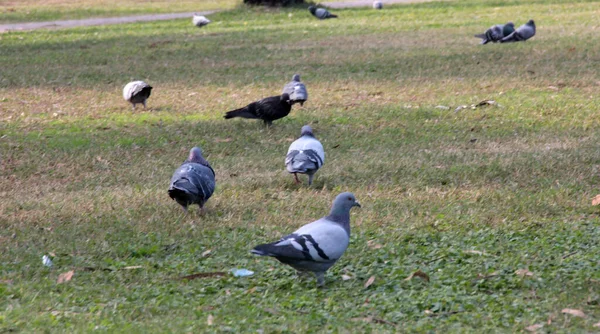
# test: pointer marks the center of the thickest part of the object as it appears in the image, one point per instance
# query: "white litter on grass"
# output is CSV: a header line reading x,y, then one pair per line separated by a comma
x,y
46,261
242,272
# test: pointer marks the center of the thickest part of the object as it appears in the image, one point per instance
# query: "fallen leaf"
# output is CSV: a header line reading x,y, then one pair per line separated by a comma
x,y
370,281
418,273
65,277
573,312
373,245
523,272
534,328
203,275
472,251
132,267
226,140
206,252
209,320
428,312
597,324
251,290
346,277
596,200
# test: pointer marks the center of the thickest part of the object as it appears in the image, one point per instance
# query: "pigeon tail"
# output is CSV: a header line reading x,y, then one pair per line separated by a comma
x,y
480,36
242,112
263,250
332,16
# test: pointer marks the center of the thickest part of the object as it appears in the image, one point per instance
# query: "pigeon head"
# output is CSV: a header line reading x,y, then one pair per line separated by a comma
x,y
296,77
312,9
510,24
196,155
306,131
343,203
285,97
530,23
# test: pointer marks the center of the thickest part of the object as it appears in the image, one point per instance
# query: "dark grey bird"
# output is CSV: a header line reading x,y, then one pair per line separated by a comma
x,y
315,247
496,33
305,155
522,33
137,92
193,182
268,109
321,13
296,90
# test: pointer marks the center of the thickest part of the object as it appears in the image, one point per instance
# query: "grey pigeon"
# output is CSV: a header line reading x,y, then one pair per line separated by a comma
x,y
193,182
268,109
321,13
377,4
305,155
315,247
137,92
496,33
296,90
522,33
199,20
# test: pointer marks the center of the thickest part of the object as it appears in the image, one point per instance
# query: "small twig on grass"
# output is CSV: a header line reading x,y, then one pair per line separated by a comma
x,y
203,275
443,314
437,258
570,254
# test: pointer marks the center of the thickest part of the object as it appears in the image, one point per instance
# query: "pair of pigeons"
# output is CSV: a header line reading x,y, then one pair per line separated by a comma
x,y
314,247
273,108
506,33
194,181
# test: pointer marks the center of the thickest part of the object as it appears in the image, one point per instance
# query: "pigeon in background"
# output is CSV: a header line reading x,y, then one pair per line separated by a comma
x,y
377,4
193,182
296,90
522,33
315,247
321,13
496,33
137,92
305,155
199,20
268,109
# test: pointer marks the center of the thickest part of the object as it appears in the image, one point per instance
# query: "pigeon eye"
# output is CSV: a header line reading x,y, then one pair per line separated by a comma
x,y
349,198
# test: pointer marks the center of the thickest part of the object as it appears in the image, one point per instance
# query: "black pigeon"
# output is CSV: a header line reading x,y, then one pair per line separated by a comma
x,y
193,182
268,109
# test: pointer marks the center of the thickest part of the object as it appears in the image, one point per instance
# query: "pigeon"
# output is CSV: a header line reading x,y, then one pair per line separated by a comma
x,y
137,92
522,33
377,4
296,90
321,13
496,33
193,182
199,20
305,155
315,247
268,109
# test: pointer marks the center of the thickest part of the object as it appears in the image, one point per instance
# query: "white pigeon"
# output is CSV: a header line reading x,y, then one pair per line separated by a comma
x,y
305,155
296,90
377,4
137,92
522,33
315,247
200,20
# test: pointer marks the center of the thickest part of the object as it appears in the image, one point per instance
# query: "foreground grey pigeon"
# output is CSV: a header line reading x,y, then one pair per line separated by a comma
x,y
137,92
315,247
268,109
321,13
193,182
377,4
522,33
305,155
199,20
496,33
296,90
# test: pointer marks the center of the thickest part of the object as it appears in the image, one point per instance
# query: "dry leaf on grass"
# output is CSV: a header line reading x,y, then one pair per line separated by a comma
x,y
65,277
369,281
472,251
573,312
534,328
209,320
373,245
523,272
418,273
132,267
597,324
596,200
224,140
206,253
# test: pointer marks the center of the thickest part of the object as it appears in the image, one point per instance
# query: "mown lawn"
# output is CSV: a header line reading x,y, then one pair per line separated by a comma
x,y
492,203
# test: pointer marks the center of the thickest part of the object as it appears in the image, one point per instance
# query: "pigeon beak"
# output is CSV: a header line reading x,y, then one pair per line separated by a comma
x,y
357,204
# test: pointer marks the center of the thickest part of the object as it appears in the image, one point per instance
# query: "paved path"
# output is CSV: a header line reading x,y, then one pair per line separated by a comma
x,y
157,17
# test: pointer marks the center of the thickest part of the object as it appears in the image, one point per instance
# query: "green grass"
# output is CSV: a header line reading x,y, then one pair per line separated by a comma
x,y
467,197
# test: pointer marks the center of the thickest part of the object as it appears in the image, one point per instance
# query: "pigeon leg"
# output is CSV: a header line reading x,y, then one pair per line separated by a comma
x,y
144,105
296,178
310,178
132,106
302,104
268,123
320,279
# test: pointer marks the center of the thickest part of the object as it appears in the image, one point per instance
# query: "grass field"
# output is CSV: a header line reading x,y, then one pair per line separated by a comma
x,y
492,203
